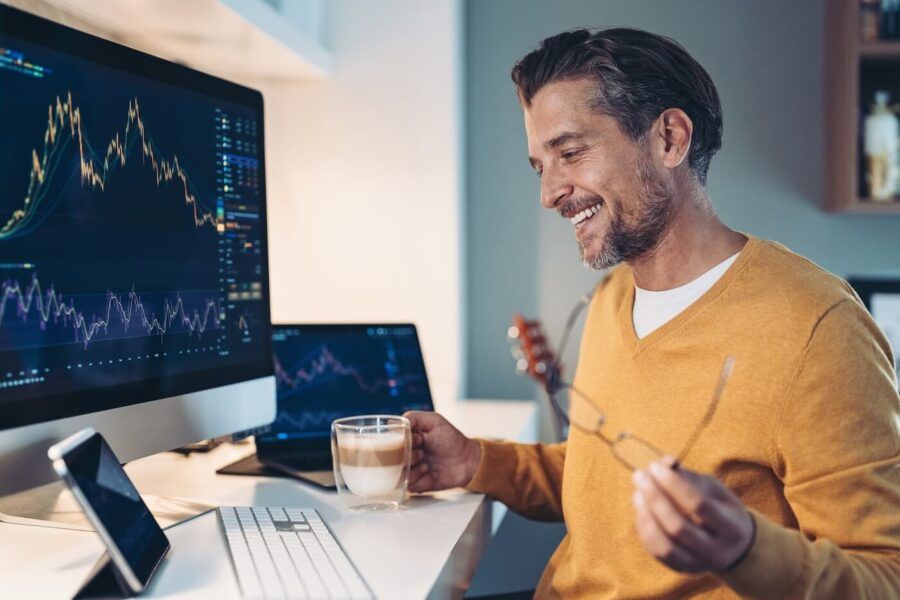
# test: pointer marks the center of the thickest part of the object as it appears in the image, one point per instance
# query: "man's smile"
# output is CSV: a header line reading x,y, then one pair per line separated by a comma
x,y
579,219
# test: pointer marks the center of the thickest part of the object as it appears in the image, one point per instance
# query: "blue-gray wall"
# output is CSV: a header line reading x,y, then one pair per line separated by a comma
x,y
766,58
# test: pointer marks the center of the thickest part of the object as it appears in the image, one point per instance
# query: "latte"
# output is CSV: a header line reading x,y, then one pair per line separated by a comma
x,y
373,464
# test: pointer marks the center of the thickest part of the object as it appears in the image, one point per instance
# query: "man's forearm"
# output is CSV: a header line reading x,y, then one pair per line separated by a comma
x,y
525,477
784,564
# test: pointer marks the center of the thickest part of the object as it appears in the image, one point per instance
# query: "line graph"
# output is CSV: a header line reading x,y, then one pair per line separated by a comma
x,y
306,420
127,309
324,366
64,126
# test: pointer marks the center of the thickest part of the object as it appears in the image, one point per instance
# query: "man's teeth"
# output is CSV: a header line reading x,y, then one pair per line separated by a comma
x,y
588,212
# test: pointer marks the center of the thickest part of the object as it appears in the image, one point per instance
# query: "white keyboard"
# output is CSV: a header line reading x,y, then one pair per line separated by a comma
x,y
288,553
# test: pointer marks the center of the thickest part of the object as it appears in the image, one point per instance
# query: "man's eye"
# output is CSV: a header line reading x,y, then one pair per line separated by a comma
x,y
570,154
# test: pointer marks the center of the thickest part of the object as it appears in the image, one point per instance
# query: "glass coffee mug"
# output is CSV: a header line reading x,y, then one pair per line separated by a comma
x,y
371,460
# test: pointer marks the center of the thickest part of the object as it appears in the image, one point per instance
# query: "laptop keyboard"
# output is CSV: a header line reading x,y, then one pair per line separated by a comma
x,y
288,553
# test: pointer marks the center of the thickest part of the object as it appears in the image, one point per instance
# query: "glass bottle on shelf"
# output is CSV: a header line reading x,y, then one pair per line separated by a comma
x,y
880,146
869,20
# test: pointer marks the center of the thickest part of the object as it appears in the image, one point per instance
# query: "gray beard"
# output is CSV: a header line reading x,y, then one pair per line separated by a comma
x,y
640,233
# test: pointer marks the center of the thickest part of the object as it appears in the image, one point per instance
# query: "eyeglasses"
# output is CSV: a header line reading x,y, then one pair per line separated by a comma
x,y
576,409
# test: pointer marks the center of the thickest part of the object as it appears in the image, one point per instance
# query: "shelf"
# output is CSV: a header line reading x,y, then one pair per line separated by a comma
x,y
853,71
880,50
865,206
244,40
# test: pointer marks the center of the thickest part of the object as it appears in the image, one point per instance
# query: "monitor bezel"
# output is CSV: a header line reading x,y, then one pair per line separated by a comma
x,y
285,448
60,38
865,287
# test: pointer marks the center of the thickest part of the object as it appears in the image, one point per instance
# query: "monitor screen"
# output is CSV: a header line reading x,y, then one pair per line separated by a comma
x,y
885,307
882,297
133,258
325,372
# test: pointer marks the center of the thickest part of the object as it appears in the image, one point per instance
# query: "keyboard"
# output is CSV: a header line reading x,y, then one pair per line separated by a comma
x,y
288,553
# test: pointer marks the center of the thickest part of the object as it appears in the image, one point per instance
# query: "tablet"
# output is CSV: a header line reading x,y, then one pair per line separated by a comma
x,y
134,540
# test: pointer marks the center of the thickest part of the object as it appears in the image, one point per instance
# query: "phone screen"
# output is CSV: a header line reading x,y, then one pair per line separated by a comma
x,y
117,505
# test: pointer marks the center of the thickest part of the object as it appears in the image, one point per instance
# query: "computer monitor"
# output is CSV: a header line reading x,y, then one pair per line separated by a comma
x,y
882,297
133,263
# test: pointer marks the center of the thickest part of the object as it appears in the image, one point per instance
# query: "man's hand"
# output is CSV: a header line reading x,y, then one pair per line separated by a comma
x,y
688,521
442,457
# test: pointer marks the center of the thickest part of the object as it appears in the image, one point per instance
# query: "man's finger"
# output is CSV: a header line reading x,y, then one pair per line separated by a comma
x,y
418,440
424,484
678,486
416,456
657,543
695,495
671,520
420,420
416,472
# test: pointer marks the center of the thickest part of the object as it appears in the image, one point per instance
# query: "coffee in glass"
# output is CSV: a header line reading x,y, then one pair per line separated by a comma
x,y
371,460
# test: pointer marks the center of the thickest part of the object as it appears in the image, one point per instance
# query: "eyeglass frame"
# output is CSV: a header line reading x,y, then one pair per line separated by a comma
x,y
554,384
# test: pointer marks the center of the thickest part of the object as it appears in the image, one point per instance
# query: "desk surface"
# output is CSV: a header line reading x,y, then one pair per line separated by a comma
x,y
427,549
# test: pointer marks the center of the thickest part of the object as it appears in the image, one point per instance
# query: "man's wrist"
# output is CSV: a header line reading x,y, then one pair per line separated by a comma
x,y
473,459
737,561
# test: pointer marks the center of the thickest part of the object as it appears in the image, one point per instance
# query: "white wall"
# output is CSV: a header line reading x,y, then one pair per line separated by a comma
x,y
364,178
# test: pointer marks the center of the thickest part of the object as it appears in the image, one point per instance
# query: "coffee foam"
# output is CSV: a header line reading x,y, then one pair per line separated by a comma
x,y
372,450
372,464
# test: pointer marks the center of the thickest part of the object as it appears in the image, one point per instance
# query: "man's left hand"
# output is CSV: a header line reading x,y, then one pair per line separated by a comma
x,y
688,521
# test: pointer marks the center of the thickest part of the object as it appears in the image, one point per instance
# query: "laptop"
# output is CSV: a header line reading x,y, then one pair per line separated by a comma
x,y
325,372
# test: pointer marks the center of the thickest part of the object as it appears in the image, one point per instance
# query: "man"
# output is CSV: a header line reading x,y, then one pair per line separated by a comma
x,y
793,487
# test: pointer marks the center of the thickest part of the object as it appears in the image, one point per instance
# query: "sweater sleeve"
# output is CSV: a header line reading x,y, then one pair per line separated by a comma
x,y
525,477
837,452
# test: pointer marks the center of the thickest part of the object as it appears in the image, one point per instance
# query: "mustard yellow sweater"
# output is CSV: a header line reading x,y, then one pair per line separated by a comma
x,y
807,434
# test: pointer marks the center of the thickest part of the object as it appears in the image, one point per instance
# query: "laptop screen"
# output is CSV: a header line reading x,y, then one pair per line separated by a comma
x,y
325,372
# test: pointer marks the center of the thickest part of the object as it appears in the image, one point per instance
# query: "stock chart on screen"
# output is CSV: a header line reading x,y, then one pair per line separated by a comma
x,y
324,372
131,227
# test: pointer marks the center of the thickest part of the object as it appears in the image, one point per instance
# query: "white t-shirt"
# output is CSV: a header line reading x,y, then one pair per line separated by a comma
x,y
653,309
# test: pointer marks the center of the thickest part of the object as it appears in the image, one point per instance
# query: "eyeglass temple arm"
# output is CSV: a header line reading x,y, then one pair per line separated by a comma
x,y
553,380
727,368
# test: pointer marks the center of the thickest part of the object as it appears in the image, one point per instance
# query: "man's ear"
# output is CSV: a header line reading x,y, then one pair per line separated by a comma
x,y
672,136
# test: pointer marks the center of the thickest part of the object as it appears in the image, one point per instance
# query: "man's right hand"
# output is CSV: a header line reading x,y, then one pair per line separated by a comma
x,y
442,457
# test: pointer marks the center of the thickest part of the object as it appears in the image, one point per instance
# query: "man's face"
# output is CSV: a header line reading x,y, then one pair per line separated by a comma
x,y
594,175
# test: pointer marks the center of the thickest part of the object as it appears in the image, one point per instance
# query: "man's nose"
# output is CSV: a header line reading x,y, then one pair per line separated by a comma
x,y
554,188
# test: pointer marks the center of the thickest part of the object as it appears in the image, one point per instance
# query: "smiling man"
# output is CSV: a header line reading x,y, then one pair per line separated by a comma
x,y
792,489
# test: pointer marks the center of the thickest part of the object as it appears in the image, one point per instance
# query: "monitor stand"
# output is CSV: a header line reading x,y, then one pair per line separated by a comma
x,y
53,505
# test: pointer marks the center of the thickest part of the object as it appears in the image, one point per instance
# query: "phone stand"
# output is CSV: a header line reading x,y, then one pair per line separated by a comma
x,y
105,581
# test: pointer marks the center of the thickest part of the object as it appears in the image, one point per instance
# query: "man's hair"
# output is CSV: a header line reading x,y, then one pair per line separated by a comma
x,y
638,74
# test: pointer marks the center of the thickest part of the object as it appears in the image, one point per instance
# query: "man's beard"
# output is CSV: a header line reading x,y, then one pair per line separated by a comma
x,y
635,232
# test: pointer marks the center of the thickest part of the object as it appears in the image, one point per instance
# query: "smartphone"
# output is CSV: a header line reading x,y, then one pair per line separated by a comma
x,y
133,539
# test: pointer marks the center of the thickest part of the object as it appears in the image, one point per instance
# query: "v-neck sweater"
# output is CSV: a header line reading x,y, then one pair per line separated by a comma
x,y
653,308
806,434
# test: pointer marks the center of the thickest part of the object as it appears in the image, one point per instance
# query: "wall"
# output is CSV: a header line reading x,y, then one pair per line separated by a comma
x,y
766,58
364,173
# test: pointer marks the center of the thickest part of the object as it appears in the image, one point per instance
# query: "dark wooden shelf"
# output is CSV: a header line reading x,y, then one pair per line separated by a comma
x,y
849,61
875,207
889,47
886,50
867,206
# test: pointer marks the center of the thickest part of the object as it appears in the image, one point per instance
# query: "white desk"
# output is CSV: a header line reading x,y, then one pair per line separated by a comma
x,y
430,548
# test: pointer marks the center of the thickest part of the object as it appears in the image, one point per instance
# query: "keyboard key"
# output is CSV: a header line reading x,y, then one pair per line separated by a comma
x,y
296,516
278,514
288,553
